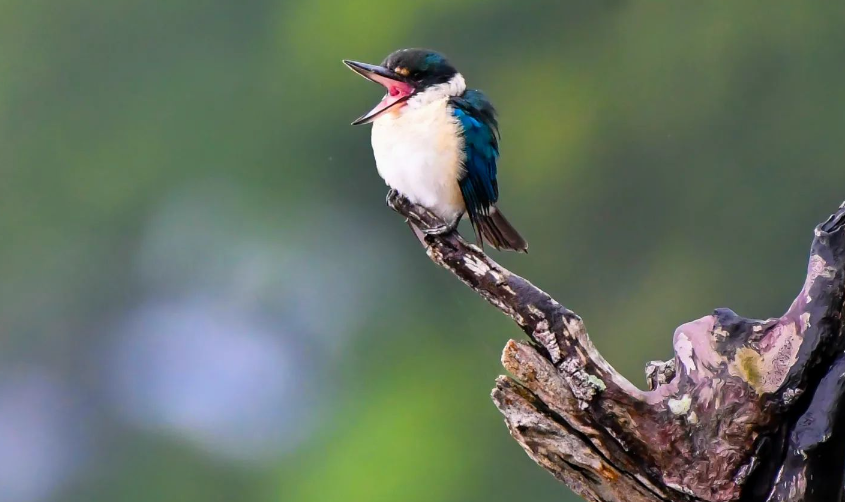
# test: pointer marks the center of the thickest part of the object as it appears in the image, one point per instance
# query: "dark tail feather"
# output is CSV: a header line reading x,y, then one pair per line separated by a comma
x,y
496,230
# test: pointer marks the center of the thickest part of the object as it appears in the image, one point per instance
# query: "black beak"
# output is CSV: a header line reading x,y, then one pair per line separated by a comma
x,y
371,72
400,89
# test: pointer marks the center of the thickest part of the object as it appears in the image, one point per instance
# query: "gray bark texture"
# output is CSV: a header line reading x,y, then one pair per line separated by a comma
x,y
748,410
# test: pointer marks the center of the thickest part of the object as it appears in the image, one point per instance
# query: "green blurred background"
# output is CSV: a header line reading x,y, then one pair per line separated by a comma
x,y
203,297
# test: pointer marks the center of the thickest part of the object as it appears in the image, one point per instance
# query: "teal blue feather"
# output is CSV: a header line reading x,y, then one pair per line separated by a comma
x,y
481,152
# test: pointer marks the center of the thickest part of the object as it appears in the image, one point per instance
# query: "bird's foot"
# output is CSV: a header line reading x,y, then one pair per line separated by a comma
x,y
392,199
443,228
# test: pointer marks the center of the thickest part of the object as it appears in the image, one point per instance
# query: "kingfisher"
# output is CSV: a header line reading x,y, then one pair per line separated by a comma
x,y
437,143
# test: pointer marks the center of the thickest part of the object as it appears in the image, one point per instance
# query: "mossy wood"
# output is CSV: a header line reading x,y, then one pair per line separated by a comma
x,y
748,410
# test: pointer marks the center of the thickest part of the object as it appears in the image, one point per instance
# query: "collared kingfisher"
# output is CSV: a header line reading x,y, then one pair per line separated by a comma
x,y
437,143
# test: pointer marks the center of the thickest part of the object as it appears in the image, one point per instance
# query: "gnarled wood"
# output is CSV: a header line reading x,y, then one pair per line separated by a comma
x,y
747,410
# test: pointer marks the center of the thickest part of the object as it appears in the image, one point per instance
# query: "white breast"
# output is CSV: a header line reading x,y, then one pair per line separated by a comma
x,y
419,152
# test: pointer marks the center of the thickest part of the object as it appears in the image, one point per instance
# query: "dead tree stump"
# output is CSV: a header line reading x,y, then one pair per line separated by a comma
x,y
748,410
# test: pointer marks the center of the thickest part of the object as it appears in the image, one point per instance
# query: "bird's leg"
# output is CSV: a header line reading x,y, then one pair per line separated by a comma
x,y
443,228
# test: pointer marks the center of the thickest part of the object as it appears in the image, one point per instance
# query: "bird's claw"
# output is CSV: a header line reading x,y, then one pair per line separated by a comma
x,y
442,229
437,230
392,199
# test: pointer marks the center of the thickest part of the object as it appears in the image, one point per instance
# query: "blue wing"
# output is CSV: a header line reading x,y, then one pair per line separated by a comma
x,y
481,148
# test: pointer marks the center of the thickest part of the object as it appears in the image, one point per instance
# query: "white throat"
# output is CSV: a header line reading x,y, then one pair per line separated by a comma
x,y
454,87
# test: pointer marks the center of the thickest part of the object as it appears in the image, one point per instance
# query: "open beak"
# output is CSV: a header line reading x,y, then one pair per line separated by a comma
x,y
399,89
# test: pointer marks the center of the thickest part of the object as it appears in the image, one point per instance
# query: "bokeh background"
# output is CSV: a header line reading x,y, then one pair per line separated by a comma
x,y
203,297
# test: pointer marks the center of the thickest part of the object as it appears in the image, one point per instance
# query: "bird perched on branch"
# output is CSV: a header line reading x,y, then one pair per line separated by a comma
x,y
437,142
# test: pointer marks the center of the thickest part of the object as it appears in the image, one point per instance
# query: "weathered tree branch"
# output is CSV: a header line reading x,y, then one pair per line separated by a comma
x,y
748,410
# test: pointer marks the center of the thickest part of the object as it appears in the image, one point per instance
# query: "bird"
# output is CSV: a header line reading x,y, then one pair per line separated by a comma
x,y
437,143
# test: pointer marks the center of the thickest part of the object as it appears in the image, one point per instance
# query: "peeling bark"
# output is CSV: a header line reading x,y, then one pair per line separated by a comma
x,y
748,410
